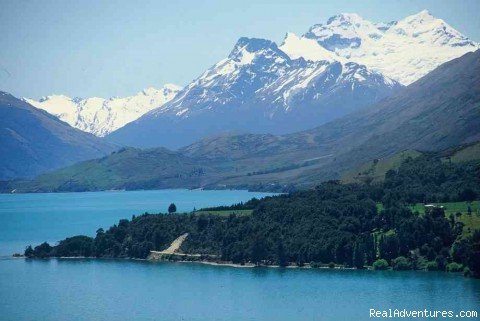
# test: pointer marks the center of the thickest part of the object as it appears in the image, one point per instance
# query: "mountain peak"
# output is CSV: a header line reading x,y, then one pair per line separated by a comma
x,y
342,18
296,47
245,49
403,50
101,116
427,29
422,15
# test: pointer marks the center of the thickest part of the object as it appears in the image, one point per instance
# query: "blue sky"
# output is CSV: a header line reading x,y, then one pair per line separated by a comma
x,y
117,48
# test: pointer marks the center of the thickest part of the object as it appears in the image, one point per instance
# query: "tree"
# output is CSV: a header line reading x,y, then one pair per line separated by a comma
x,y
474,257
358,255
281,257
29,251
172,208
258,249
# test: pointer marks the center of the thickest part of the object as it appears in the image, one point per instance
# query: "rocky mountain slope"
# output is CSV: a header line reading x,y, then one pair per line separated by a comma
x,y
101,116
437,112
32,141
334,69
259,89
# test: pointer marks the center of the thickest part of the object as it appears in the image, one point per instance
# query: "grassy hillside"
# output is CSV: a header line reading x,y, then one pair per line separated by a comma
x,y
374,171
464,153
132,168
129,168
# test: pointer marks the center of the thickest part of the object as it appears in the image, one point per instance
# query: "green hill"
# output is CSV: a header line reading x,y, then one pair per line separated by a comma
x,y
129,168
374,171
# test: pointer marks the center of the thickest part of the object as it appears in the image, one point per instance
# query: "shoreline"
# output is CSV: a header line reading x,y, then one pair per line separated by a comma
x,y
206,188
307,266
203,262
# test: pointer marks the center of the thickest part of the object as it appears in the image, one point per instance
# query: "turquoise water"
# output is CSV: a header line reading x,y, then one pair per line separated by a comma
x,y
117,290
77,290
34,218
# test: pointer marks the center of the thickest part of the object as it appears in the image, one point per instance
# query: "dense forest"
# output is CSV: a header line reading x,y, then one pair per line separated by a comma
x,y
353,225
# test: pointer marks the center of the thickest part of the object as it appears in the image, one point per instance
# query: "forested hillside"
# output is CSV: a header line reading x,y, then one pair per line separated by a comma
x,y
354,225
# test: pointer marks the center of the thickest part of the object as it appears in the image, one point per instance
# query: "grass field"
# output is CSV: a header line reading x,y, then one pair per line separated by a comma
x,y
468,153
471,221
451,208
226,213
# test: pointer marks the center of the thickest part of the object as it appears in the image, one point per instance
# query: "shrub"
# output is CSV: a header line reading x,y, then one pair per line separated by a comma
x,y
420,263
454,267
380,264
315,264
331,265
466,272
401,263
431,266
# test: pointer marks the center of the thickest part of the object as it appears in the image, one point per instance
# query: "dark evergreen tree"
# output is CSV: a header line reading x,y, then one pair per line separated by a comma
x,y
172,208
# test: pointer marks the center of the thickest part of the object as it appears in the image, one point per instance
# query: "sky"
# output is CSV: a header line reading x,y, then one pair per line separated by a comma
x,y
117,48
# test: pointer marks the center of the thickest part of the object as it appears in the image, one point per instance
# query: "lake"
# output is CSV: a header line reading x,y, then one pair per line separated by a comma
x,y
117,290
34,218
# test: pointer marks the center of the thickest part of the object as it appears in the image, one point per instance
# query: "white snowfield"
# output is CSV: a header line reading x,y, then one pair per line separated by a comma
x,y
403,50
101,116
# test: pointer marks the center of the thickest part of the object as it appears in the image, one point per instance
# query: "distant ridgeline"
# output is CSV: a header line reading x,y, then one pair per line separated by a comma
x,y
380,225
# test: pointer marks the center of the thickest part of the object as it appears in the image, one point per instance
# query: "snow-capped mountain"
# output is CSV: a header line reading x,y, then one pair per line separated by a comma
x,y
101,116
335,68
404,50
260,88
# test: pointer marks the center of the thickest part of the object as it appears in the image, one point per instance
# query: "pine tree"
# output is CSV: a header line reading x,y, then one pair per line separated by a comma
x,y
172,208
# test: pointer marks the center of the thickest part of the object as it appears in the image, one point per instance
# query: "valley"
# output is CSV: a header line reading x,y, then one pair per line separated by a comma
x,y
239,160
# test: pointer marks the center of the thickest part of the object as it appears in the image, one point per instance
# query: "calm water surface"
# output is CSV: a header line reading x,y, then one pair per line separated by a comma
x,y
117,290
69,290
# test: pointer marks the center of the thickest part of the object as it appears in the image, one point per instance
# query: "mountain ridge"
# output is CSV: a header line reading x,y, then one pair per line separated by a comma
x,y
258,88
33,141
438,112
100,116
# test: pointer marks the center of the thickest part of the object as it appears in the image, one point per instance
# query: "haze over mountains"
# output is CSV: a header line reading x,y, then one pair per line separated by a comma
x,y
439,111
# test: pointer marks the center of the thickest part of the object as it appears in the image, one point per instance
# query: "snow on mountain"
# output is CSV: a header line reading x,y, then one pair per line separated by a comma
x,y
101,116
335,68
260,88
404,50
296,47
258,71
